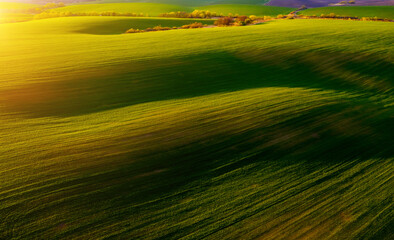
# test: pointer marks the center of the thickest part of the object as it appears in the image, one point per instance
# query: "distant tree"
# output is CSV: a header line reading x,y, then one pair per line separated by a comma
x,y
241,18
351,2
132,30
224,21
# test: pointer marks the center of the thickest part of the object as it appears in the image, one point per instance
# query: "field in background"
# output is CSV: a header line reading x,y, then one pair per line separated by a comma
x,y
190,3
153,9
353,11
243,9
108,25
262,131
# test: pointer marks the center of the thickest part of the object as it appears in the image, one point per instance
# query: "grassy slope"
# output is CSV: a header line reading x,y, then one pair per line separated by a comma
x,y
115,25
243,9
153,9
260,132
368,11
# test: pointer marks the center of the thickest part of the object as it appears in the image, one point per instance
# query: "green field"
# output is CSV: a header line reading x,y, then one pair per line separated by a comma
x,y
153,9
257,132
192,3
109,25
243,9
353,11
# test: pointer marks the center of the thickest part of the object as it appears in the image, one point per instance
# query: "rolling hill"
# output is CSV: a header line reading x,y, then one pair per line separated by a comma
x,y
257,132
365,11
153,9
191,3
324,3
243,9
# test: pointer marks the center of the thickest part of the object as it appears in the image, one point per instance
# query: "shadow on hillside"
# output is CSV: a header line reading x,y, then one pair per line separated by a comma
x,y
161,177
196,75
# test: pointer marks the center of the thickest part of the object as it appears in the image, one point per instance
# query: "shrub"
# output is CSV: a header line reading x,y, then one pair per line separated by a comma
x,y
157,28
351,2
194,14
193,25
132,30
224,21
241,18
280,16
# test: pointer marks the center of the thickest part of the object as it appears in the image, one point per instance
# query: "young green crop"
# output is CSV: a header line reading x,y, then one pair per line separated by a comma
x,y
276,130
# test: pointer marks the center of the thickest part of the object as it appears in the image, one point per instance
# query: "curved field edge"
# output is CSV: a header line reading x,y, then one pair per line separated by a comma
x,y
381,12
257,132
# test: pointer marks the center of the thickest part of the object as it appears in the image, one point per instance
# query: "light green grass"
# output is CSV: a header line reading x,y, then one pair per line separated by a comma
x,y
153,9
353,11
243,9
223,133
